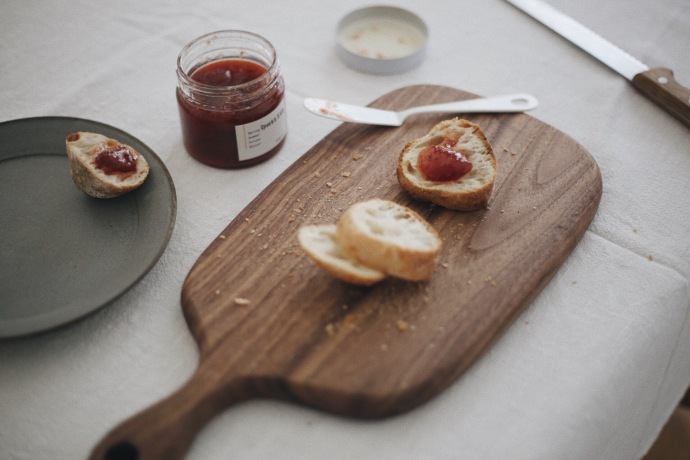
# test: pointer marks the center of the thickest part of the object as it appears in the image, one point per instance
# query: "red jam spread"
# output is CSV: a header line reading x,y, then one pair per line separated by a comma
x,y
228,72
442,163
116,159
209,131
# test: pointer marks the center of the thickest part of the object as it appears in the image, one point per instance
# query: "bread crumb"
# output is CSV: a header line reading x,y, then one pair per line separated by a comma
x,y
222,237
217,292
444,264
357,157
650,258
330,329
349,321
402,325
241,301
329,184
489,280
346,174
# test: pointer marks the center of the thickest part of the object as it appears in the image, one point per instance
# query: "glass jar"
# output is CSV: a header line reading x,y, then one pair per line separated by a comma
x,y
231,99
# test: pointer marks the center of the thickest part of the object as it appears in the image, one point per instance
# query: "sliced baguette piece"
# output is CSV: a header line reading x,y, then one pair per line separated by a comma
x,y
389,237
318,241
469,193
82,150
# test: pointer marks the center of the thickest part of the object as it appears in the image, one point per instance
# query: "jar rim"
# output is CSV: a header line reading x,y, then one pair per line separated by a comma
x,y
215,89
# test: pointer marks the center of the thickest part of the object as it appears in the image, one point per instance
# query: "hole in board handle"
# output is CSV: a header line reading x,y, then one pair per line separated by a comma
x,y
122,451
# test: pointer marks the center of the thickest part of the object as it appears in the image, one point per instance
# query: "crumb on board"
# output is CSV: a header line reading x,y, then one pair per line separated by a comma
x,y
346,173
350,321
402,325
357,156
242,301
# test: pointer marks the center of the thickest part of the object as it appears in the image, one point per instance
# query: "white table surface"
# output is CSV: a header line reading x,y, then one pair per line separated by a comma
x,y
591,370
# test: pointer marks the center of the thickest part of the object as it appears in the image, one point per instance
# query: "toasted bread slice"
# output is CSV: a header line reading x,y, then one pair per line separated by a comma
x,y
102,167
390,238
468,193
318,241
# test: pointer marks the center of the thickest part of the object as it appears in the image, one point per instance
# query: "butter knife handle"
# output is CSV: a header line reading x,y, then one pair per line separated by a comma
x,y
660,86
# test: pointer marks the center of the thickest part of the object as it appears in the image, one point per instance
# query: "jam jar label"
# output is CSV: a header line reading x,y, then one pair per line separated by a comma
x,y
259,137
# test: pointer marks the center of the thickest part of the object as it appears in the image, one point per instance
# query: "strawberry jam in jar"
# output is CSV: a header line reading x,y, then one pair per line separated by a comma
x,y
231,99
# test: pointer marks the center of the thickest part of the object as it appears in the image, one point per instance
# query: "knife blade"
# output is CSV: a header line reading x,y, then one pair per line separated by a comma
x,y
657,84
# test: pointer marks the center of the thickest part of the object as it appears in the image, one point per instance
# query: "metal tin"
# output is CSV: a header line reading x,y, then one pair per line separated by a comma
x,y
382,40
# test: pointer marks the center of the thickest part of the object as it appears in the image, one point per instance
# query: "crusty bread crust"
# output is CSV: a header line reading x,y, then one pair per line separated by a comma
x,y
469,193
318,241
389,237
82,149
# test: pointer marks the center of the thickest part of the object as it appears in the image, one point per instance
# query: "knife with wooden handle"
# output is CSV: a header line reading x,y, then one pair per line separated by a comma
x,y
657,84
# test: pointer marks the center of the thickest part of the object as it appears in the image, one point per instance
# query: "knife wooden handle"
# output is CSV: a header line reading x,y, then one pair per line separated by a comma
x,y
660,86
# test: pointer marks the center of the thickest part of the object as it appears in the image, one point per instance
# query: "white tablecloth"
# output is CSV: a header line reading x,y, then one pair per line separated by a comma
x,y
591,370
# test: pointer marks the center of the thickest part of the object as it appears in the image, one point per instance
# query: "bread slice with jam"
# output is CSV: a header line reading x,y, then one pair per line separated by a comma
x,y
452,166
103,167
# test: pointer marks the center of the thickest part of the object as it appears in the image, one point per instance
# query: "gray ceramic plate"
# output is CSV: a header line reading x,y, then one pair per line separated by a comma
x,y
64,254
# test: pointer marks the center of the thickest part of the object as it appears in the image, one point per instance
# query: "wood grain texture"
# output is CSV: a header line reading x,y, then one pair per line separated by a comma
x,y
660,86
368,351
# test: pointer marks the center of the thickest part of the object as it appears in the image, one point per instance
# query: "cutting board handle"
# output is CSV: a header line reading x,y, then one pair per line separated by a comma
x,y
167,429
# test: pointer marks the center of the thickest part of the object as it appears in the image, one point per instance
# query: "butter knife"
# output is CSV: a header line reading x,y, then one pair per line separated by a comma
x,y
356,114
657,84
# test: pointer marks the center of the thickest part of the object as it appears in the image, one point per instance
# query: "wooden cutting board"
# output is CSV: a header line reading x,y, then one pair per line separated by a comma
x,y
271,324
